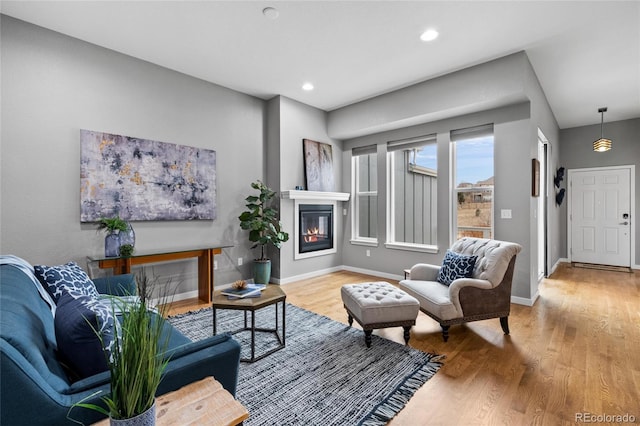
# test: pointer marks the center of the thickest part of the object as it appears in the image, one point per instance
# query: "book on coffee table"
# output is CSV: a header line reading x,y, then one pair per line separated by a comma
x,y
240,292
249,287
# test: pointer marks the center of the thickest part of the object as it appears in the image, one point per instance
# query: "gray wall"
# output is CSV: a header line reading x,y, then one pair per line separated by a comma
x,y
297,121
576,152
53,86
486,86
505,92
511,190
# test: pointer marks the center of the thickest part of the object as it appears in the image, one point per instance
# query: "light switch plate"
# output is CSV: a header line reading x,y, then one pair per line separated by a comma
x,y
505,213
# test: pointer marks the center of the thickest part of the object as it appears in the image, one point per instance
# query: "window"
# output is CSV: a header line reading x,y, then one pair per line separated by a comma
x,y
364,227
473,182
412,194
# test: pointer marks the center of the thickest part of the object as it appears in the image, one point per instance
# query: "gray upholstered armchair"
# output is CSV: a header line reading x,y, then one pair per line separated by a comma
x,y
485,294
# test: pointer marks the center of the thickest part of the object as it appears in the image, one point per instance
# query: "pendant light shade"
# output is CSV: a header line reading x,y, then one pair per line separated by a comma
x,y
603,144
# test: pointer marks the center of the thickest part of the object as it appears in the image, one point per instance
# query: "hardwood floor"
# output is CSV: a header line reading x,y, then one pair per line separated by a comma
x,y
575,351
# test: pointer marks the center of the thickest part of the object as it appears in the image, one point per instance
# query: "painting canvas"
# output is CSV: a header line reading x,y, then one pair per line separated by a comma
x,y
318,166
141,179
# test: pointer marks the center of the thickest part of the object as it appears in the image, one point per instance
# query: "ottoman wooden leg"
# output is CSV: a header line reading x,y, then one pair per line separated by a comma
x,y
350,319
367,337
407,334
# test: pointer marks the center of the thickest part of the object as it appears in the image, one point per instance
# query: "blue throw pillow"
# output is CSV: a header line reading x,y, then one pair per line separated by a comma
x,y
78,323
68,278
456,266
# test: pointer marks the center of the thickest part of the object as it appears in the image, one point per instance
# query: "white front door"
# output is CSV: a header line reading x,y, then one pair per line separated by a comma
x,y
599,216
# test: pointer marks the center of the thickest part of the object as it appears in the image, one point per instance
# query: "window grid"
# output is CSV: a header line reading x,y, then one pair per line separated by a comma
x,y
365,200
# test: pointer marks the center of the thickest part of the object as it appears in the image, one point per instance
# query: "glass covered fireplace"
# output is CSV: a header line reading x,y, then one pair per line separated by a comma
x,y
315,227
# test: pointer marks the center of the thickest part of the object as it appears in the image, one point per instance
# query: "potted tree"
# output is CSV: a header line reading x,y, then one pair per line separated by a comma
x,y
261,220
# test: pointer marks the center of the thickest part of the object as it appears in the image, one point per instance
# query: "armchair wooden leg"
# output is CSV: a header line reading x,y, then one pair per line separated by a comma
x,y
445,332
504,322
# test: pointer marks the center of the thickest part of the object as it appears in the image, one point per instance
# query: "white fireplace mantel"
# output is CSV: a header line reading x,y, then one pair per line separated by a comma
x,y
296,194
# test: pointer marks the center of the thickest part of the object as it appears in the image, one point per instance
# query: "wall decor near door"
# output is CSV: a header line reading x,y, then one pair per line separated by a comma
x,y
318,166
535,177
142,179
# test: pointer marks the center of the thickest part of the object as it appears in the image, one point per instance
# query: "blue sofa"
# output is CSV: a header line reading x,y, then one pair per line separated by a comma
x,y
35,389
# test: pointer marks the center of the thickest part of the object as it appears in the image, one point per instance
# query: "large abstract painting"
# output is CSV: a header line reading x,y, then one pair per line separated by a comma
x,y
318,166
141,179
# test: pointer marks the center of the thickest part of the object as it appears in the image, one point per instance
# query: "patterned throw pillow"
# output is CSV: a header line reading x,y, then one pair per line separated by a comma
x,y
78,323
68,278
456,266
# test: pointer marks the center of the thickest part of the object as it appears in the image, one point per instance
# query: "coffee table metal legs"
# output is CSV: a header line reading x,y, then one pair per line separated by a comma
x,y
253,329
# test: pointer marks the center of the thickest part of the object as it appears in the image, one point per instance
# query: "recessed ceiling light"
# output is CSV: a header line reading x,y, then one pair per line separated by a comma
x,y
271,12
307,86
429,35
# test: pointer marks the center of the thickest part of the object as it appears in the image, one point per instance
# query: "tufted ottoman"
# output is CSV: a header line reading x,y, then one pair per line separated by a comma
x,y
379,305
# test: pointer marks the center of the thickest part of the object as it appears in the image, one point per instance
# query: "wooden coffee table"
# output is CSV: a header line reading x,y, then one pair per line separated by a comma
x,y
271,295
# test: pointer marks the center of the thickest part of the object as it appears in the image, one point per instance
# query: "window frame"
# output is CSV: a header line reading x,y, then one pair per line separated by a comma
x,y
460,136
356,238
398,147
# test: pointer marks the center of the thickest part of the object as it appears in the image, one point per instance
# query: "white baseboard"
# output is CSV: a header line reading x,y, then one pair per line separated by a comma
x,y
308,275
523,300
558,262
374,273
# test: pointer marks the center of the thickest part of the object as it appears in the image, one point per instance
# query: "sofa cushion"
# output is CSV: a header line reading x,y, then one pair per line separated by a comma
x,y
456,266
433,297
65,278
78,324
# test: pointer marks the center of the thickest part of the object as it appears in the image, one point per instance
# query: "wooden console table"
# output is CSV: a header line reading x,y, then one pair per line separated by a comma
x,y
204,402
122,265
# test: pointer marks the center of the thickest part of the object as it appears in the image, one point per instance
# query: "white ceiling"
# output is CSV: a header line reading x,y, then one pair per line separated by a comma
x,y
585,53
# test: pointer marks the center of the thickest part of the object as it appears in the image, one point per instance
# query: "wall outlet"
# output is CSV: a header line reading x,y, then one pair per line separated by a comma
x,y
505,213
239,261
215,265
368,253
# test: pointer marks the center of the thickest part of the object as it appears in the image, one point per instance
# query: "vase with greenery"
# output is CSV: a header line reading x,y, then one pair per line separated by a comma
x,y
261,220
135,360
112,226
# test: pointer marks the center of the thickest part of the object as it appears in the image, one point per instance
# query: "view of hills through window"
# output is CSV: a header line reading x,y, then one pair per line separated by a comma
x,y
474,187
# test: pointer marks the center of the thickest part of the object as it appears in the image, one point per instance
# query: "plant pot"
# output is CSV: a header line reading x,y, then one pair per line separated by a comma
x,y
112,245
261,271
148,418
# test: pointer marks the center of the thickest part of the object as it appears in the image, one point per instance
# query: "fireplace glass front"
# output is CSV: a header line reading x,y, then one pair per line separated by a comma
x,y
315,227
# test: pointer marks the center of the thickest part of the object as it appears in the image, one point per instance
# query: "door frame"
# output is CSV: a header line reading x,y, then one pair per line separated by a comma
x,y
543,148
632,206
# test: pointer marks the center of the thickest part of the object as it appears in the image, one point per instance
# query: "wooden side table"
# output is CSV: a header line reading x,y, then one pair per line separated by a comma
x,y
204,402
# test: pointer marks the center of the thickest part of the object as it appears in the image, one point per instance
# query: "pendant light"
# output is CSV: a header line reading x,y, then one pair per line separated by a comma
x,y
602,144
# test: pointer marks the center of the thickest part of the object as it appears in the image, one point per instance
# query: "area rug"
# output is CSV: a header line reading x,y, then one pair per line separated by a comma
x,y
324,376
